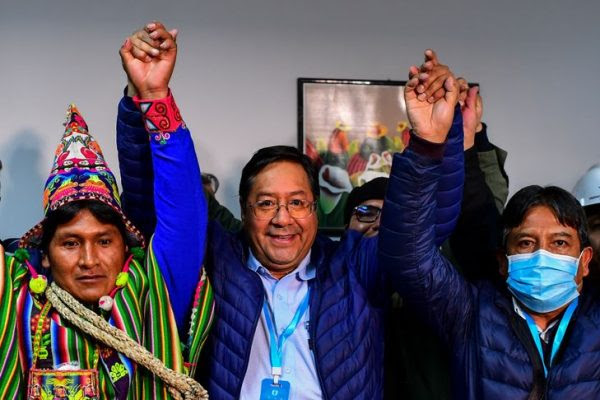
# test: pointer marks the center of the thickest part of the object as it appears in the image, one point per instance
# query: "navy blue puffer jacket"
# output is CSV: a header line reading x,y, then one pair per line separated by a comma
x,y
345,316
493,354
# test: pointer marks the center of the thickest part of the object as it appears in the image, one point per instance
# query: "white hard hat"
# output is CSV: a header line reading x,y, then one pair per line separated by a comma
x,y
587,189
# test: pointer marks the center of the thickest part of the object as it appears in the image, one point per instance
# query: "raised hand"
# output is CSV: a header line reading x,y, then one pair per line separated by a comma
x,y
148,58
432,75
463,88
431,121
470,116
479,112
472,109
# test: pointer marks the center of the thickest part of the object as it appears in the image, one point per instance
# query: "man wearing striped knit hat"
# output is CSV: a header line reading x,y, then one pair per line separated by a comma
x,y
95,321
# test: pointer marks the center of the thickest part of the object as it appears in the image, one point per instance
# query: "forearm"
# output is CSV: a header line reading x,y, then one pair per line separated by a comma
x,y
181,213
450,185
407,242
135,165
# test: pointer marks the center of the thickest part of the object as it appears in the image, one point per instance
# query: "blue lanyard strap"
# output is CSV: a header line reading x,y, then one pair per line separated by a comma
x,y
558,337
276,341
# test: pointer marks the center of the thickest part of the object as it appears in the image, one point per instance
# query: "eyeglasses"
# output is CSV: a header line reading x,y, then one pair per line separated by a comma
x,y
366,213
268,209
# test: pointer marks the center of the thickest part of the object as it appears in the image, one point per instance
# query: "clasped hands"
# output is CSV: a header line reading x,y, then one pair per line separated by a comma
x,y
431,95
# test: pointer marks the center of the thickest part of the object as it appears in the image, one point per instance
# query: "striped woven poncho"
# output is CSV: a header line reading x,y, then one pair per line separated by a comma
x,y
141,308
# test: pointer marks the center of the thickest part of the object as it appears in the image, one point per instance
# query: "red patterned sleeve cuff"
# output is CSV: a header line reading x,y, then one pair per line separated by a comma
x,y
161,116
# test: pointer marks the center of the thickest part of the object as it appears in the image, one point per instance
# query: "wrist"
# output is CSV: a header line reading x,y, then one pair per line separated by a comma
x,y
429,136
153,94
131,90
424,146
161,116
469,139
468,144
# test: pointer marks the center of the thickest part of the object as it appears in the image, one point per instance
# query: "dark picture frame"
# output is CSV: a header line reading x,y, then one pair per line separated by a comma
x,y
349,128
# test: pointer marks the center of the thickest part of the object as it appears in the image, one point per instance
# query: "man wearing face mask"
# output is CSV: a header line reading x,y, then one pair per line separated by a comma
x,y
536,335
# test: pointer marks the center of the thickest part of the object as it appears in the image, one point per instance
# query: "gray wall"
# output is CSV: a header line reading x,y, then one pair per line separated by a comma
x,y
235,80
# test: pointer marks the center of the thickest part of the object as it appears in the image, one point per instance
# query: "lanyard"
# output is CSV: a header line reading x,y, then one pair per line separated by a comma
x,y
276,341
558,337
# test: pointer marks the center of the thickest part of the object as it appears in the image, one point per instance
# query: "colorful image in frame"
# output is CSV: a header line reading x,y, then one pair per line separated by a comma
x,y
350,129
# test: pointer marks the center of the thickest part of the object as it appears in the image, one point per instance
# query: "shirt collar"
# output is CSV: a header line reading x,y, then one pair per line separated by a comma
x,y
544,334
305,270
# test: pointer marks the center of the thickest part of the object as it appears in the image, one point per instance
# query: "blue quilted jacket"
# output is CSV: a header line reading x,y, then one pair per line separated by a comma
x,y
493,354
346,303
347,296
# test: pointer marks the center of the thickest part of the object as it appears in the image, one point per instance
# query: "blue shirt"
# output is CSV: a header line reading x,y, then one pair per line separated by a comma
x,y
298,362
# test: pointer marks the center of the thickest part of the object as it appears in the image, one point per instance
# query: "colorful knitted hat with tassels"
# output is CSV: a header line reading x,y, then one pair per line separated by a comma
x,y
79,172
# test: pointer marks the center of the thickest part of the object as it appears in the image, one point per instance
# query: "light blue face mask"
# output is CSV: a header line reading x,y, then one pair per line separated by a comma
x,y
543,281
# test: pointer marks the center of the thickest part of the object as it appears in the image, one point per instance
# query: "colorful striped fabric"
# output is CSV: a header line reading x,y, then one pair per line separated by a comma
x,y
202,316
142,309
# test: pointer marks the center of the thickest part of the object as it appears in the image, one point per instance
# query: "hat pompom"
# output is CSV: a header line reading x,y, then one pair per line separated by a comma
x,y
38,284
138,253
21,255
106,303
122,279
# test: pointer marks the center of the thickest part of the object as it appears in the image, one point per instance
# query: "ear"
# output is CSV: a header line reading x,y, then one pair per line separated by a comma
x,y
245,213
45,261
584,261
502,263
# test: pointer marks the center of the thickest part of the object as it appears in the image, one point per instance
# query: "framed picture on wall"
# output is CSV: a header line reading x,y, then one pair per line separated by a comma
x,y
349,128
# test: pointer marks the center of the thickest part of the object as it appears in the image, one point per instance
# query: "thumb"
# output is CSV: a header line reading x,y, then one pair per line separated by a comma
x,y
174,33
409,89
125,52
452,91
471,100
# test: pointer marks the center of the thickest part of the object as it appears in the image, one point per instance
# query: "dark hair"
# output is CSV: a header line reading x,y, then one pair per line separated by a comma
x,y
592,210
563,205
372,190
268,155
103,213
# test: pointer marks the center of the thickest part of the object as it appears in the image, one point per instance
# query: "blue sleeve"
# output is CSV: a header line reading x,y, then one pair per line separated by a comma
x,y
135,165
450,186
181,214
449,191
408,249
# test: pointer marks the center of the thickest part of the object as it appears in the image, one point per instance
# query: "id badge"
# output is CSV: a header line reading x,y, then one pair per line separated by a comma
x,y
270,391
